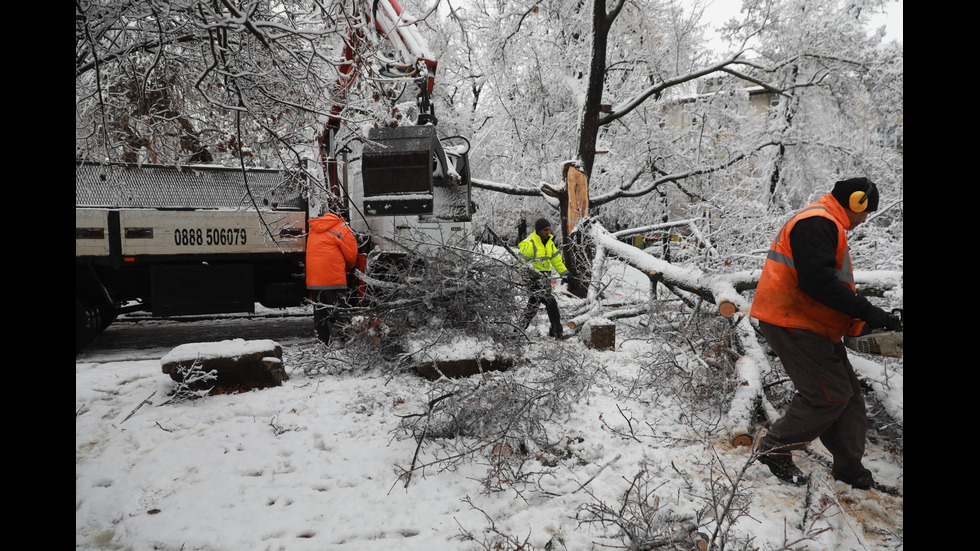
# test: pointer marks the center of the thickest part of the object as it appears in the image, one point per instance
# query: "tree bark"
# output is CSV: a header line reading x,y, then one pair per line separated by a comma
x,y
574,254
589,133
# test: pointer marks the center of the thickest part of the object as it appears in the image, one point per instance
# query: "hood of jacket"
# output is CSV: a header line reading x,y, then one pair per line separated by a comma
x,y
328,221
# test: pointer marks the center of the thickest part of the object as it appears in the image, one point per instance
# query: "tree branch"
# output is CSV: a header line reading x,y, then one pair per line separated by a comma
x,y
623,192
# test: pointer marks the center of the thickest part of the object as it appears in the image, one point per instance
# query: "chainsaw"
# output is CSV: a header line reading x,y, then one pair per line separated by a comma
x,y
878,342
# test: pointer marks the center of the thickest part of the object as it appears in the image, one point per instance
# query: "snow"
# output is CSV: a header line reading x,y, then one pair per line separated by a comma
x,y
232,348
459,347
316,463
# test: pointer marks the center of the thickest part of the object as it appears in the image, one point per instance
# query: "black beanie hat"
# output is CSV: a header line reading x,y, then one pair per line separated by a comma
x,y
844,188
541,224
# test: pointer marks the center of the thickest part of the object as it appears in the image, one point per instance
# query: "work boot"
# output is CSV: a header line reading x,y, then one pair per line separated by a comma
x,y
861,480
781,465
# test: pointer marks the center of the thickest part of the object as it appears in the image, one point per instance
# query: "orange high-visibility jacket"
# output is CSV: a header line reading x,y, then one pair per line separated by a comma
x,y
778,298
330,250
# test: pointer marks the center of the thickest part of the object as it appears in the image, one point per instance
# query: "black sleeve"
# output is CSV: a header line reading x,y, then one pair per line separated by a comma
x,y
814,243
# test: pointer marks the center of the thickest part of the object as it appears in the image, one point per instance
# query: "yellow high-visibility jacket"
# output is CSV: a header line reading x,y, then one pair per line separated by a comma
x,y
543,256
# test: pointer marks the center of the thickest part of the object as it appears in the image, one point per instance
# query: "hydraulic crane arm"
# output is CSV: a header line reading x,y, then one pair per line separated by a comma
x,y
406,38
391,23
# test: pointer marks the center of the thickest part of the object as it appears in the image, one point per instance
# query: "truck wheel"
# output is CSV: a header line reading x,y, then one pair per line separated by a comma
x,y
88,322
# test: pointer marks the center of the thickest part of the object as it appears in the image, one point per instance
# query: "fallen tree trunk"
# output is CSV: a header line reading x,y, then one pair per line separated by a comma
x,y
720,290
751,368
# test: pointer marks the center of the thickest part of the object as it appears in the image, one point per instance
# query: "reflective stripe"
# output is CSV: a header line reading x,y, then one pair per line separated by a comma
x,y
781,258
844,273
821,207
539,257
534,250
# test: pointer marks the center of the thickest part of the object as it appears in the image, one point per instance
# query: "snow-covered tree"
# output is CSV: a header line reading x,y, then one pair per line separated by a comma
x,y
616,87
248,82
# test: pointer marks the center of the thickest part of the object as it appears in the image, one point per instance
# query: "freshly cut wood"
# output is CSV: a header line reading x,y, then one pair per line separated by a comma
x,y
742,440
727,308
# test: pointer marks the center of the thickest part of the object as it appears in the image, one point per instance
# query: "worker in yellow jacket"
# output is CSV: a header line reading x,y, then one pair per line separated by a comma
x,y
805,303
331,250
540,251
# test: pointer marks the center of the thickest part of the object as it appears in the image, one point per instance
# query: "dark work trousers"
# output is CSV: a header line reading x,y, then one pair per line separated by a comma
x,y
540,290
325,304
828,403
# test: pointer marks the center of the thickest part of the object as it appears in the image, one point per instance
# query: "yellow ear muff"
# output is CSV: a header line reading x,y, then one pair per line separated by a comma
x,y
859,201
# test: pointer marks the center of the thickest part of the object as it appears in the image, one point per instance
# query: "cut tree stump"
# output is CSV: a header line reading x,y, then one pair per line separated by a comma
x,y
599,334
237,362
455,355
453,369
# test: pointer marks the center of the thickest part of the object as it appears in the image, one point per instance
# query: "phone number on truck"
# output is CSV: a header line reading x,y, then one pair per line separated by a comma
x,y
210,236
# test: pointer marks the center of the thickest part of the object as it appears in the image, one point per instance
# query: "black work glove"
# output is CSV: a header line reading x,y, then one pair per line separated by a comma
x,y
894,323
564,281
876,318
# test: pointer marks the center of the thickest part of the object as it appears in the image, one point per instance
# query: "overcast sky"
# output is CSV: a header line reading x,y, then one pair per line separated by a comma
x,y
892,21
723,10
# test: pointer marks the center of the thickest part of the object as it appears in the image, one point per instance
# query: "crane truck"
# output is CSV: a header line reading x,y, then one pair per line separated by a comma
x,y
209,239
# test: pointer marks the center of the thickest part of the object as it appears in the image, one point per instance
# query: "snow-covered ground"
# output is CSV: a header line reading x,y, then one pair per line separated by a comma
x,y
316,464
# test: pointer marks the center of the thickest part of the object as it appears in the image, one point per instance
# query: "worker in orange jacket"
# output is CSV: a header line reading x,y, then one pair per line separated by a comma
x,y
331,250
805,303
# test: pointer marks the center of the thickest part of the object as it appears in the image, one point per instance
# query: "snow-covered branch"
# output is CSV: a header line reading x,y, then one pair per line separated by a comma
x,y
749,397
506,188
750,368
656,89
653,227
716,288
